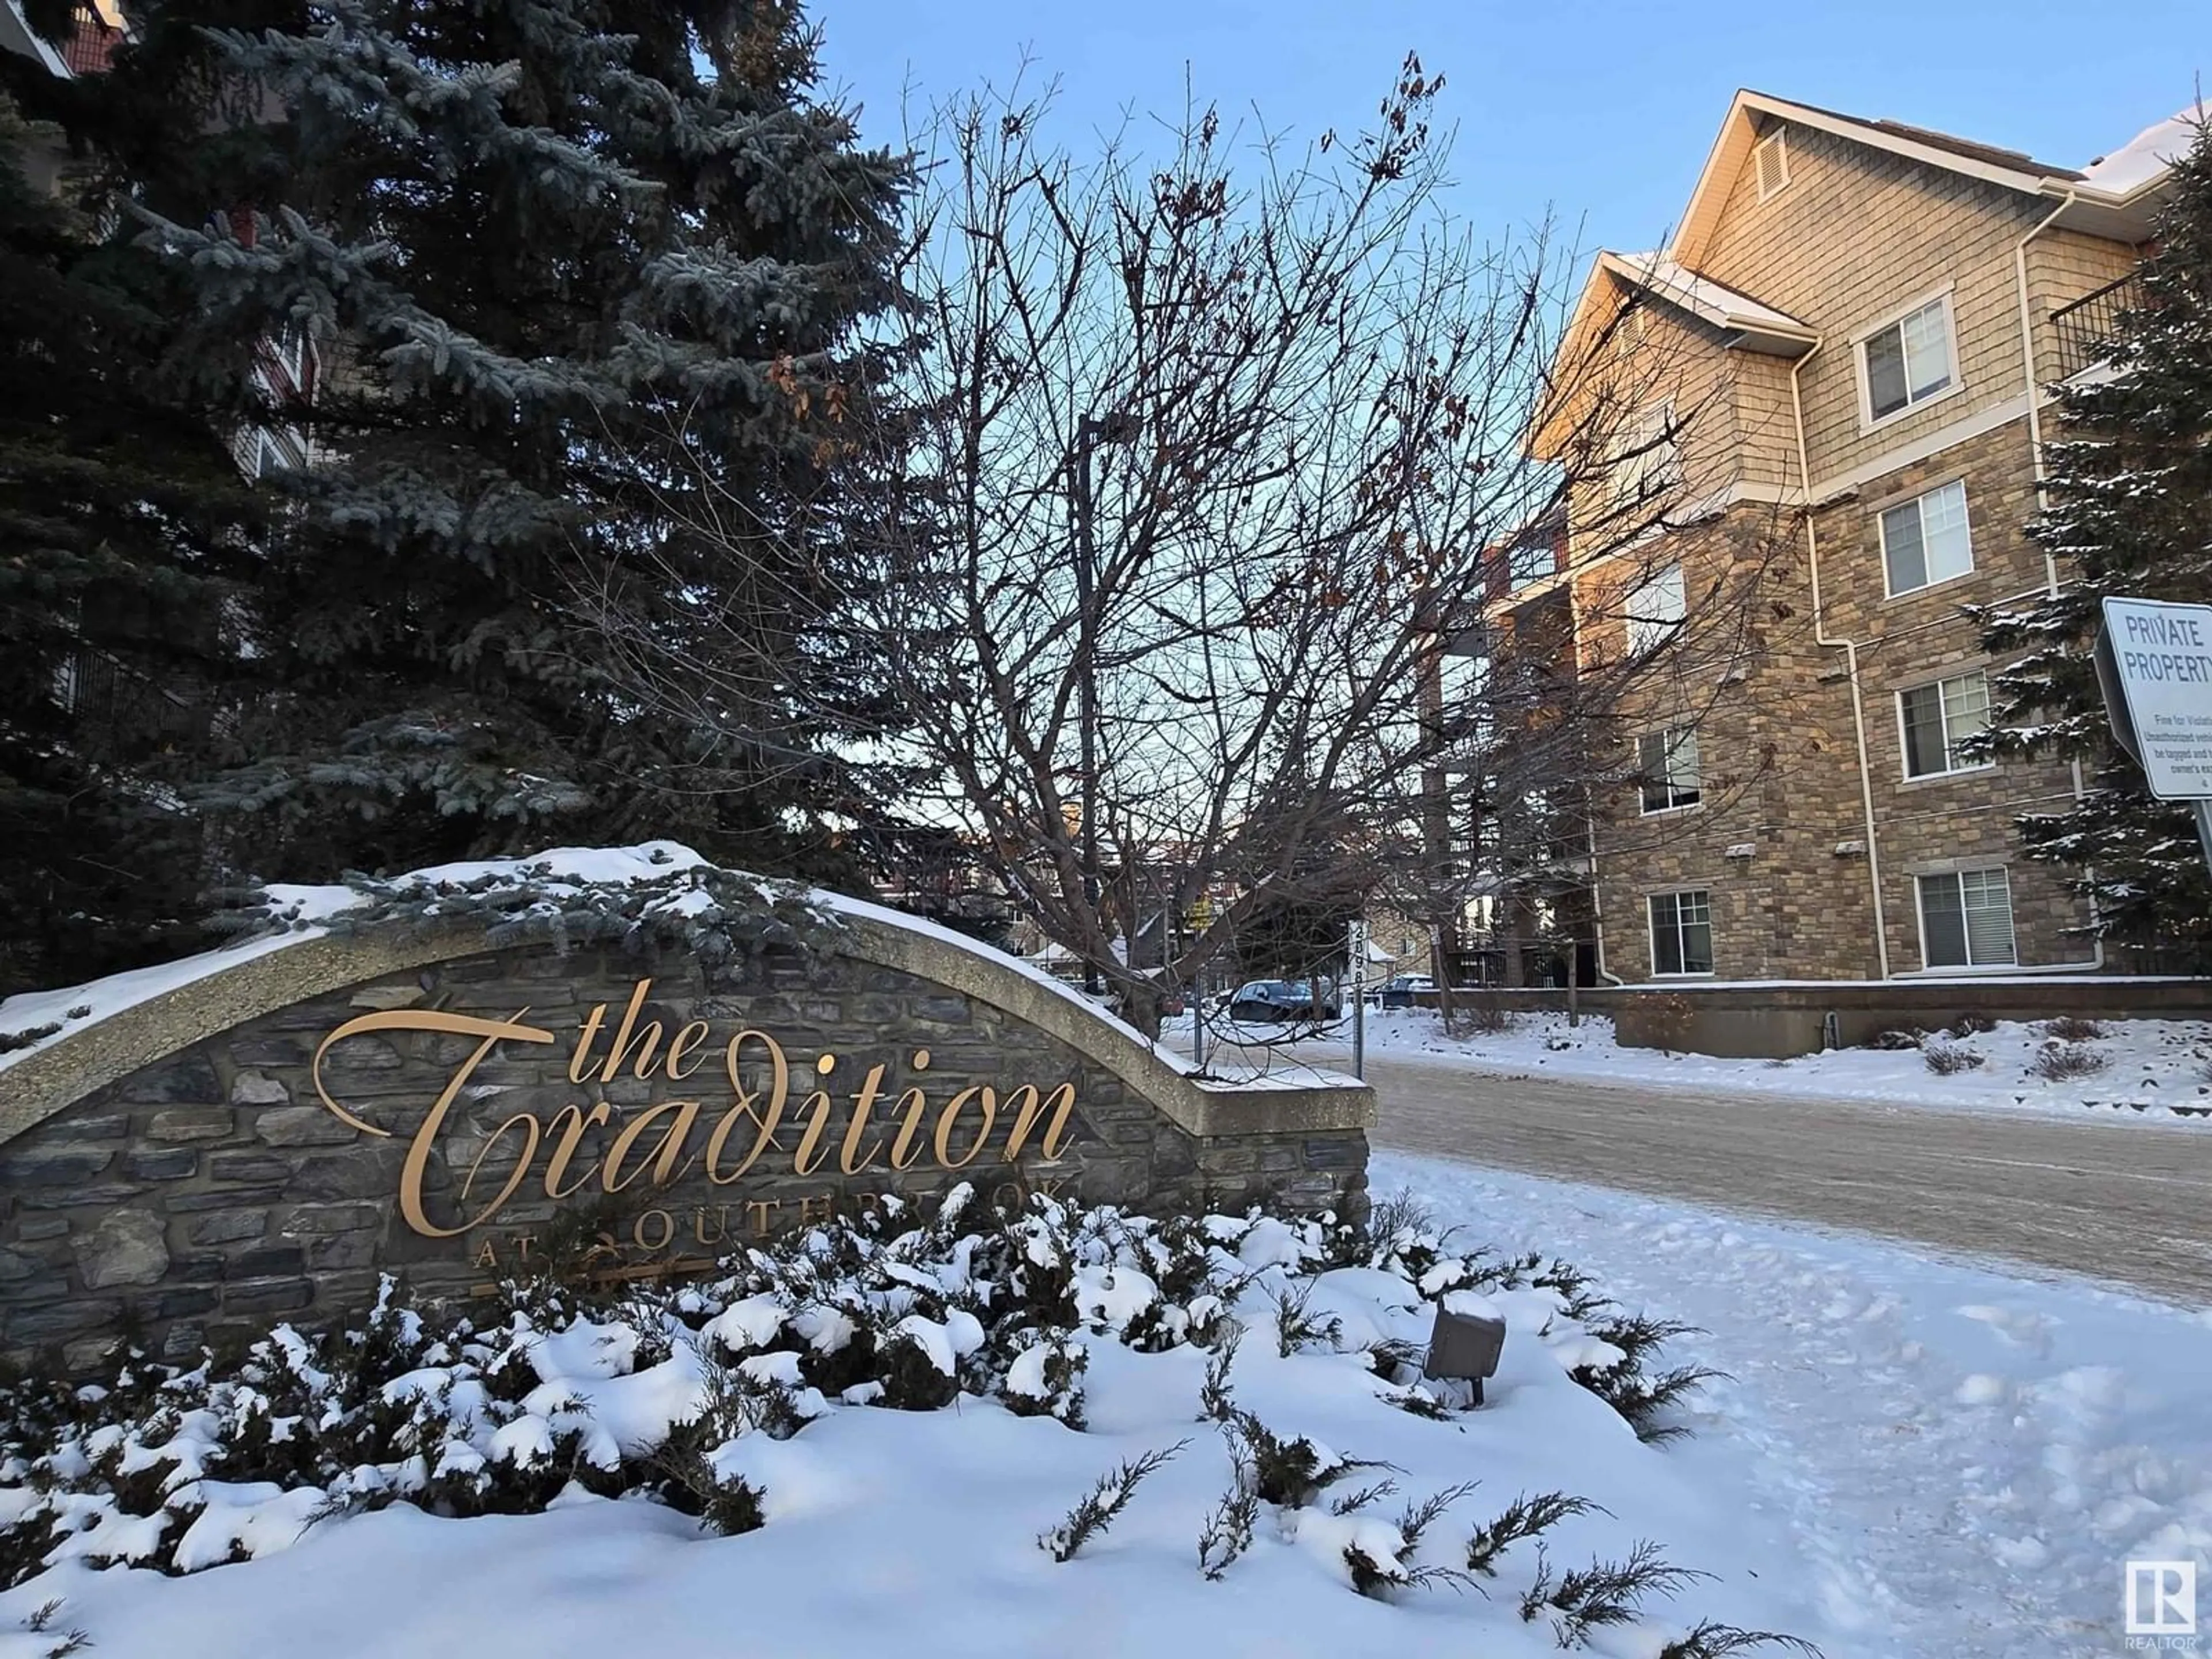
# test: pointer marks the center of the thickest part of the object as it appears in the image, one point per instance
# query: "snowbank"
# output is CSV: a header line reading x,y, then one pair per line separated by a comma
x,y
2154,1070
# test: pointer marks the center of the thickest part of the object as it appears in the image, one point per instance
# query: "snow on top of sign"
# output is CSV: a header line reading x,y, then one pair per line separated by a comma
x,y
74,1006
308,909
863,910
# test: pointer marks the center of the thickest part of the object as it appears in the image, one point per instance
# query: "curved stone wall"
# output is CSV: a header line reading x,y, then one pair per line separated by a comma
x,y
268,1138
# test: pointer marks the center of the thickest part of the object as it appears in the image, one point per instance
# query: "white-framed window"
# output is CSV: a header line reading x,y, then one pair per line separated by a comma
x,y
1681,933
1926,540
1966,920
1658,606
1910,360
1646,459
1770,156
1935,719
1667,764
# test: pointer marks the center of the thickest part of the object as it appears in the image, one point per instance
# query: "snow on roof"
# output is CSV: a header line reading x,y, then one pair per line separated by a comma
x,y
1714,301
2146,155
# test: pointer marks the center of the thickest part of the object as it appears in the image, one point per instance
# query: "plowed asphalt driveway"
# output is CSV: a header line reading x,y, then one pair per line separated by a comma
x,y
2130,1202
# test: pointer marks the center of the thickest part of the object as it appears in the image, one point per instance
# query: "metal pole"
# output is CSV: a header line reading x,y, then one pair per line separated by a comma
x,y
2204,809
1086,691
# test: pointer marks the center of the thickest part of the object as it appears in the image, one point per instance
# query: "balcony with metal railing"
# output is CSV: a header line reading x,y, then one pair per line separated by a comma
x,y
2087,327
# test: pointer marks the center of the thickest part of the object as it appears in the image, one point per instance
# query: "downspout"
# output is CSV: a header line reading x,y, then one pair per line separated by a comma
x,y
2035,460
1850,651
2028,368
1597,910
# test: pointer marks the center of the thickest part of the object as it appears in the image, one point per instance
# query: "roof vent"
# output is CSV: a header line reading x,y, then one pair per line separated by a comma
x,y
1771,155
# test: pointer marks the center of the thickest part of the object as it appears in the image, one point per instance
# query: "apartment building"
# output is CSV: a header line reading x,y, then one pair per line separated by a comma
x,y
1829,390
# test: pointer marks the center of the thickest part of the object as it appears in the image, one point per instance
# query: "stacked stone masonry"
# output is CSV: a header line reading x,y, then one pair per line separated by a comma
x,y
201,1197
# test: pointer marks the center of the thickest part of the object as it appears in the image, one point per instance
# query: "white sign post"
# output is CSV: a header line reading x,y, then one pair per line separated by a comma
x,y
1356,965
2154,663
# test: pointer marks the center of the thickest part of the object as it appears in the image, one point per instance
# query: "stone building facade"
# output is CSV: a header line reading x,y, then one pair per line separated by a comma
x,y
1826,398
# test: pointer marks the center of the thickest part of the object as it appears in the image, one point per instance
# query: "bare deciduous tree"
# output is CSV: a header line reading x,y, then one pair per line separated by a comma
x,y
1201,456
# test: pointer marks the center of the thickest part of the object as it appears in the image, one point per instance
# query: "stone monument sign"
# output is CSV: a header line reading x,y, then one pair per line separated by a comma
x,y
267,1138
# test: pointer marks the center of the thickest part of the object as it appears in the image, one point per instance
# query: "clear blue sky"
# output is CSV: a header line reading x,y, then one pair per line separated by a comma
x,y
1602,111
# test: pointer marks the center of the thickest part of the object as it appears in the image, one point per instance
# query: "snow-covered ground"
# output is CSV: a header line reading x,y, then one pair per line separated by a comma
x,y
917,1532
2155,1069
1960,1462
1911,1459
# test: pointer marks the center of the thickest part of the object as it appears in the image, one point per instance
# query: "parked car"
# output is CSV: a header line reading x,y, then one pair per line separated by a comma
x,y
1261,1001
1401,992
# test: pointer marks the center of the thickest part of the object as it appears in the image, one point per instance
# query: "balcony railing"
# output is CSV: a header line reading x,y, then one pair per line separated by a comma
x,y
2086,327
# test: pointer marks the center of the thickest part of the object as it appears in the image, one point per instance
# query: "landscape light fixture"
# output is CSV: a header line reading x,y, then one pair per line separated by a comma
x,y
1465,1345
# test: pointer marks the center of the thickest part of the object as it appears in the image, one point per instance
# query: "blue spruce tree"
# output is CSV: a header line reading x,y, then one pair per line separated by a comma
x,y
2129,511
592,291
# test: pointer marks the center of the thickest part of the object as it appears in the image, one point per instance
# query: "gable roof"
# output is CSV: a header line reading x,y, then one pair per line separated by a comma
x,y
2104,194
1763,328
1970,149
2110,197
1749,324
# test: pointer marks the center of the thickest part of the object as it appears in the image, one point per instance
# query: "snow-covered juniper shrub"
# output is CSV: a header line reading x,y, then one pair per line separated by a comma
x,y
1045,1379
48,1643
1582,1599
1216,1400
1099,1508
1400,1363
1529,1515
1377,1571
1227,1532
1295,1325
1287,1472
488,1408
1642,1396
1710,1640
